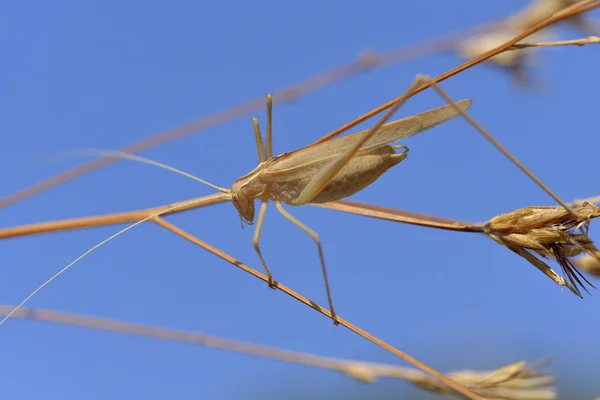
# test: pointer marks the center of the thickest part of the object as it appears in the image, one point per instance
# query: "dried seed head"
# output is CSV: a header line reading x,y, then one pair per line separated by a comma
x,y
516,381
538,10
517,63
523,220
548,231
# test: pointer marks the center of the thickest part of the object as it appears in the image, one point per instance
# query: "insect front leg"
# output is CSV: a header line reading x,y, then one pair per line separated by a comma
x,y
256,239
260,147
317,240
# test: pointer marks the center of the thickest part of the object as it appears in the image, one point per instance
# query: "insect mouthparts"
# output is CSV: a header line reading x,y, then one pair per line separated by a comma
x,y
243,221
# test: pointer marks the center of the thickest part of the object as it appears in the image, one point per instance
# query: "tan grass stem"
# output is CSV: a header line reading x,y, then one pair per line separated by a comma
x,y
351,207
568,12
310,84
180,232
501,148
366,61
558,43
519,387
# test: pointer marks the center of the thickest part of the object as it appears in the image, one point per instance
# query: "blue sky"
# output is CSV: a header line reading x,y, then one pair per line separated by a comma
x,y
105,74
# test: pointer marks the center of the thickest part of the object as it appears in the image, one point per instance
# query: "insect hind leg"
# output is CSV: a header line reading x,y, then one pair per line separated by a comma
x,y
317,240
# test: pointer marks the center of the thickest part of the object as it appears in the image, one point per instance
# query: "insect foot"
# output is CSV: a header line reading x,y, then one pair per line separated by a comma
x,y
335,319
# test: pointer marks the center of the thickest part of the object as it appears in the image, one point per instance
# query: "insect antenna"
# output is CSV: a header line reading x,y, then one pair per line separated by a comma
x,y
127,156
119,154
56,275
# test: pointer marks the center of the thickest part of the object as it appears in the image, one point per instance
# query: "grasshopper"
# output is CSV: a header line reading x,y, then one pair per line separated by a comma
x,y
314,174
325,171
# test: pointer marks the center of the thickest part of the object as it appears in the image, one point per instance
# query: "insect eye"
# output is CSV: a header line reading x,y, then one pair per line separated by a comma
x,y
234,197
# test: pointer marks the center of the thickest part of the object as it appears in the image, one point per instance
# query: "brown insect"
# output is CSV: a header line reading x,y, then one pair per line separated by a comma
x,y
324,172
319,173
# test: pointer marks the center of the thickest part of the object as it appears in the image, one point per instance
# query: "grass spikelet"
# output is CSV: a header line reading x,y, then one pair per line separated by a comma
x,y
516,381
548,231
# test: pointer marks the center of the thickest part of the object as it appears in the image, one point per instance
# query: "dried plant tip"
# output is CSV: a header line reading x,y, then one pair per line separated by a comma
x,y
503,374
516,381
523,220
549,231
517,63
539,10
360,373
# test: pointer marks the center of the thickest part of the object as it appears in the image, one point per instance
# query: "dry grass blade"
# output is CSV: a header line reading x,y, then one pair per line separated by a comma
x,y
514,381
125,217
366,210
364,62
545,230
406,217
568,12
109,219
499,146
558,214
538,10
521,385
573,42
516,63
320,80
548,231
459,388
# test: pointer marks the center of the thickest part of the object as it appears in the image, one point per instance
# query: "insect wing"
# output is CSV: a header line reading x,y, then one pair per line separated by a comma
x,y
388,133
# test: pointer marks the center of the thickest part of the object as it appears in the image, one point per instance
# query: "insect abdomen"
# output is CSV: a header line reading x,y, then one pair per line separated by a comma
x,y
361,171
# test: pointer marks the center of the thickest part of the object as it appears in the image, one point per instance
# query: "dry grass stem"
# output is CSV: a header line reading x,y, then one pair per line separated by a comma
x,y
351,207
537,10
406,217
364,62
573,42
501,148
516,63
109,219
568,12
180,232
554,219
546,230
530,231
152,213
515,382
